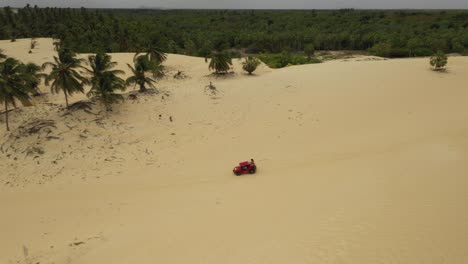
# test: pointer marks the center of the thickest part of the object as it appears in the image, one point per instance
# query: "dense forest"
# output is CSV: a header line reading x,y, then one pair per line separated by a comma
x,y
199,32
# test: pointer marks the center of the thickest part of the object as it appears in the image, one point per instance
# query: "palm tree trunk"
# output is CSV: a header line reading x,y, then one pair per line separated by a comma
x,y
66,99
142,88
6,116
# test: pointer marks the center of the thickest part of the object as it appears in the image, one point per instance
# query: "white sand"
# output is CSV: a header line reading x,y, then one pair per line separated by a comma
x,y
359,162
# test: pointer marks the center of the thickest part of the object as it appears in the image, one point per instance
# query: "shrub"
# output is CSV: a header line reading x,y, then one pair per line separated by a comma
x,y
438,60
309,50
381,49
250,64
33,44
388,51
284,59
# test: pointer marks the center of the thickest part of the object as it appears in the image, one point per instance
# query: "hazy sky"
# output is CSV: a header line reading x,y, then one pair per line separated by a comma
x,y
249,4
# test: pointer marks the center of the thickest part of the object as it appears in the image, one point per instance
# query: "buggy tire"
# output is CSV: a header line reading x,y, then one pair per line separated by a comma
x,y
252,171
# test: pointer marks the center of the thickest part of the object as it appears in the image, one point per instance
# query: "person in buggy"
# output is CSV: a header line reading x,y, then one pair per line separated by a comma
x,y
245,167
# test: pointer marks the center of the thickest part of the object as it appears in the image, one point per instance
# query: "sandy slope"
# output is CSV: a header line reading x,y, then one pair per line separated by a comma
x,y
359,162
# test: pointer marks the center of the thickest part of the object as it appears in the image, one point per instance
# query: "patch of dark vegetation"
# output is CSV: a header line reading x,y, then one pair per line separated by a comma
x,y
388,33
286,59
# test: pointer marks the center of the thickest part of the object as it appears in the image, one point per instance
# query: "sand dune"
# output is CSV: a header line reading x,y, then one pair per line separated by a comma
x,y
359,162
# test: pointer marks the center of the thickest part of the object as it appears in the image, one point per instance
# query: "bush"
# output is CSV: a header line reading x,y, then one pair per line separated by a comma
x,y
309,50
438,60
33,44
381,49
388,51
284,59
250,64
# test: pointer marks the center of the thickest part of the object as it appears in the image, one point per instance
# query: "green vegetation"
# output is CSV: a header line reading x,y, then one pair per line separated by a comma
x,y
105,81
285,58
250,64
14,85
154,55
438,61
155,58
220,62
33,44
396,33
64,75
279,38
309,50
142,67
35,76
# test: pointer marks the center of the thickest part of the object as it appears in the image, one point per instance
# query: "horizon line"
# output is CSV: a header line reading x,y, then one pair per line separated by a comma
x,y
251,9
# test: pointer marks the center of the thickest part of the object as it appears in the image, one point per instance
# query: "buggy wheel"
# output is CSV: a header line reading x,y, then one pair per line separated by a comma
x,y
238,174
252,171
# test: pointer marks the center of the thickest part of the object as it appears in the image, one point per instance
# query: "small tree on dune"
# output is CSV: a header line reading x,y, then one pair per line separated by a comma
x,y
13,85
220,62
64,75
438,61
105,81
142,66
250,64
33,43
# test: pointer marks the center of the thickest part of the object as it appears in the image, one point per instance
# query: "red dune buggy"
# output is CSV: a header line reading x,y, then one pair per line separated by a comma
x,y
244,168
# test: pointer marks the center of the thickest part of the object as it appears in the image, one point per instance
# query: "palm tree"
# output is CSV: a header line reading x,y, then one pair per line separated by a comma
x,y
13,85
250,64
104,89
155,57
64,74
104,81
141,67
220,62
154,54
57,44
2,56
101,63
35,75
